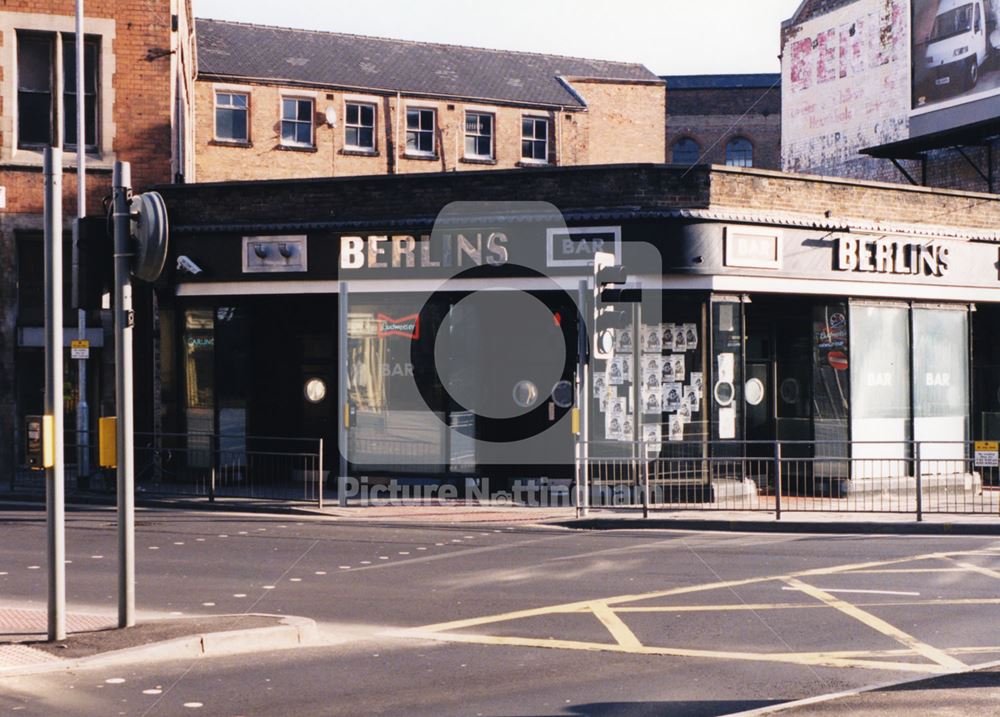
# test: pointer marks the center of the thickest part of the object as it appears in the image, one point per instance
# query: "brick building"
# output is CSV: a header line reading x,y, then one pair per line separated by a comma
x,y
724,119
139,67
276,103
813,312
864,96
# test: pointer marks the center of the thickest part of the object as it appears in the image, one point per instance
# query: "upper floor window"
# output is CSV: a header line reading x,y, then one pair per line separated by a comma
x,y
359,126
38,85
232,111
685,151
420,131
739,152
478,135
297,121
535,139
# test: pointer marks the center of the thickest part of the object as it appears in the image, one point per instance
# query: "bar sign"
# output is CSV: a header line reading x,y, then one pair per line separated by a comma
x,y
986,454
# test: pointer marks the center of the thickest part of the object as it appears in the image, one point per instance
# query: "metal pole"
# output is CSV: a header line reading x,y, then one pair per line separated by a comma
x,y
54,487
320,480
124,320
342,403
582,400
918,471
777,480
82,408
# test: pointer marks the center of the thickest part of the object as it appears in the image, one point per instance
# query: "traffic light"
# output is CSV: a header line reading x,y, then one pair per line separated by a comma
x,y
93,274
610,291
611,282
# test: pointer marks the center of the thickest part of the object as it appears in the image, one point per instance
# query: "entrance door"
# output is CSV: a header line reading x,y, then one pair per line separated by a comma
x,y
777,392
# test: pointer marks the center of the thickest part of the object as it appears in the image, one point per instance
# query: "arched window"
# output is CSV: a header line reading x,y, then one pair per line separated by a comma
x,y
739,152
685,151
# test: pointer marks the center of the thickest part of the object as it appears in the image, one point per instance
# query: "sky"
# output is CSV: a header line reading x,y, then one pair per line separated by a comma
x,y
670,37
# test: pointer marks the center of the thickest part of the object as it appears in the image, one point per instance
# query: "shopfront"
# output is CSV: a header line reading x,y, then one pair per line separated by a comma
x,y
848,345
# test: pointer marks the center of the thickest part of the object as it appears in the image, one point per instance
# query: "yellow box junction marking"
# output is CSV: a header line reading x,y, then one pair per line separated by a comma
x,y
607,611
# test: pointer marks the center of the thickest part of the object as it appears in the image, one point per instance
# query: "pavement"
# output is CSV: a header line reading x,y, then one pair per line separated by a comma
x,y
95,640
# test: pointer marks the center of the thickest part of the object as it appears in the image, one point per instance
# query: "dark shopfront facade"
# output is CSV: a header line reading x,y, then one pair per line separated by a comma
x,y
845,319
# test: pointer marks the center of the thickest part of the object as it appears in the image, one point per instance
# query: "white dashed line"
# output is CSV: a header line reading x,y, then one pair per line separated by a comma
x,y
33,567
178,542
199,540
114,680
268,587
469,537
193,705
439,544
154,547
68,562
243,532
404,552
239,595
223,535
366,562
421,548
151,691
176,612
383,557
295,580
348,567
323,572
3,573
96,557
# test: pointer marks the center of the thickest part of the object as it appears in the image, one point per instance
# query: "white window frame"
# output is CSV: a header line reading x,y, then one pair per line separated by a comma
x,y
281,120
492,135
548,136
374,126
433,131
741,162
216,91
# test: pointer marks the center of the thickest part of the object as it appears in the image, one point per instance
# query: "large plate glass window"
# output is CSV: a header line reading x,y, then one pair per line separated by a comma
x,y
420,131
359,126
940,386
880,390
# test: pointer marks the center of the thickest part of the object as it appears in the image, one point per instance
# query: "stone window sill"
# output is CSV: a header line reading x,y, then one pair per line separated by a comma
x,y
360,152
423,157
477,160
230,143
296,148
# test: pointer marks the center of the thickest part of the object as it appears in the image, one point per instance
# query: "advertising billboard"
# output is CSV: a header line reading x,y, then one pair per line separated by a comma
x,y
955,52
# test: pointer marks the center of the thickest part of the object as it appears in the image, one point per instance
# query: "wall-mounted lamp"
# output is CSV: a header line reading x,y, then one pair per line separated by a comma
x,y
286,251
260,250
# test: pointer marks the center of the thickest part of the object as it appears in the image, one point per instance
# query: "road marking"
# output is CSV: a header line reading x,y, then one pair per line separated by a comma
x,y
323,572
208,604
978,569
618,629
904,571
114,680
866,592
797,658
295,580
34,567
879,625
152,692
239,595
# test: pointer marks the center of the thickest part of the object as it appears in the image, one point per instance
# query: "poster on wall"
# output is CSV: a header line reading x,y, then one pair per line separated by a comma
x,y
667,337
600,383
616,372
651,399
955,45
623,339
690,336
676,428
651,339
673,395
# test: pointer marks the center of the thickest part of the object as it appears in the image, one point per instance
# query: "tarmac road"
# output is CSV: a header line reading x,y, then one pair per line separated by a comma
x,y
513,620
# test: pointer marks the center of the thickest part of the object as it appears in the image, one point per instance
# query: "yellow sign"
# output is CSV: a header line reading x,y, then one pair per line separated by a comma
x,y
986,455
988,446
79,349
108,442
79,344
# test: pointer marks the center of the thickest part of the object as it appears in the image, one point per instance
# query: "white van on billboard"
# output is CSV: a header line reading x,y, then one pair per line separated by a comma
x,y
956,44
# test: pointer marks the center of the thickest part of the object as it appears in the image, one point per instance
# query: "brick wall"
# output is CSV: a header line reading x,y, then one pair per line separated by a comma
x,y
137,53
845,86
713,117
624,122
644,186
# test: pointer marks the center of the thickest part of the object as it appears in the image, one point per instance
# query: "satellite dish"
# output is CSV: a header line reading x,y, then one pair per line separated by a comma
x,y
149,229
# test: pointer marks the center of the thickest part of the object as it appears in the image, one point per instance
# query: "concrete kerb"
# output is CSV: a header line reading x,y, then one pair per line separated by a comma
x,y
293,632
833,696
783,526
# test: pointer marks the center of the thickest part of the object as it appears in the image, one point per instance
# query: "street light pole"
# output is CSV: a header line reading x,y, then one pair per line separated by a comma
x,y
53,423
82,409
124,320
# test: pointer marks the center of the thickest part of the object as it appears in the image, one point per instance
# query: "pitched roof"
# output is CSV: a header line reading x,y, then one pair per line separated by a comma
x,y
721,82
239,50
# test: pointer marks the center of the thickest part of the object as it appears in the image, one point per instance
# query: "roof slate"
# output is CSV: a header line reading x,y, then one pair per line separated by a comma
x,y
721,82
239,50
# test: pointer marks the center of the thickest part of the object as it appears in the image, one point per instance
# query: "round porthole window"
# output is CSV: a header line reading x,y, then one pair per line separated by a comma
x,y
790,390
724,393
562,394
754,391
315,390
525,394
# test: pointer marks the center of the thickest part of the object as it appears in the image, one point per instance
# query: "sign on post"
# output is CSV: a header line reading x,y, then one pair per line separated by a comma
x,y
79,349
